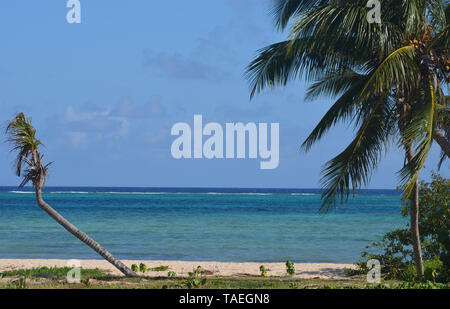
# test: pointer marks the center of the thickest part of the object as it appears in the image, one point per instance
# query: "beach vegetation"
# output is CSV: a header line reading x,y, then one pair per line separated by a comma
x,y
290,269
394,251
19,283
30,166
196,279
263,270
160,268
428,285
171,274
196,272
142,267
387,78
85,281
134,268
94,279
52,273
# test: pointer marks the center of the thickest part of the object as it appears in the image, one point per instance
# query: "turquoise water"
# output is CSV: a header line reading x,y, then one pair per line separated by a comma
x,y
260,225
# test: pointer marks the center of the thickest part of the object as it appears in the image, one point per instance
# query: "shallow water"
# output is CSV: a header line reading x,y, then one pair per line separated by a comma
x,y
254,225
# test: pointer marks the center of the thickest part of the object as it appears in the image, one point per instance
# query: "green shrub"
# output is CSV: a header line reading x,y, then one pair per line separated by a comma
x,y
195,278
142,267
196,272
263,270
159,268
22,283
85,281
394,251
52,272
134,268
290,268
404,285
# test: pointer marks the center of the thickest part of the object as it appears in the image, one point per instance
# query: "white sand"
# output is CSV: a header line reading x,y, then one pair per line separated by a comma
x,y
302,270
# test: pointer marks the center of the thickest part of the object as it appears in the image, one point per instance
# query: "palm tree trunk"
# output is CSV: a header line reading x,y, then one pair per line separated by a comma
x,y
414,220
440,138
81,235
415,235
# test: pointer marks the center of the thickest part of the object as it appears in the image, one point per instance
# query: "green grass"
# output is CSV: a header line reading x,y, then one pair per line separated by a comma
x,y
407,272
52,273
55,278
159,268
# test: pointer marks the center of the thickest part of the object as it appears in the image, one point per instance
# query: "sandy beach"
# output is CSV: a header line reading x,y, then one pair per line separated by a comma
x,y
302,270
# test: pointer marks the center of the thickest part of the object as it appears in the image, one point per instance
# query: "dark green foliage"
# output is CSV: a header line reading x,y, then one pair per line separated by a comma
x,y
134,268
160,268
142,267
263,270
195,279
196,272
20,283
290,268
396,255
402,286
444,240
388,79
52,272
109,281
85,281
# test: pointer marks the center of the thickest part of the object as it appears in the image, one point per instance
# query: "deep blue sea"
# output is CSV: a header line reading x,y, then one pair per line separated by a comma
x,y
257,225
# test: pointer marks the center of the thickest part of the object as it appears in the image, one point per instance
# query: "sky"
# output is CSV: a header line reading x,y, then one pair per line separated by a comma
x,y
105,93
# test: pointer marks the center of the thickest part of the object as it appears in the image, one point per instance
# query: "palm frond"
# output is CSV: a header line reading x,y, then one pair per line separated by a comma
x,y
284,10
348,19
342,109
437,9
398,71
353,167
333,83
384,85
309,57
419,134
21,135
34,172
414,15
441,39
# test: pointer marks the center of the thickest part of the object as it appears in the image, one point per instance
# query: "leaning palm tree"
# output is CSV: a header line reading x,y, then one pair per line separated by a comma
x,y
388,78
21,134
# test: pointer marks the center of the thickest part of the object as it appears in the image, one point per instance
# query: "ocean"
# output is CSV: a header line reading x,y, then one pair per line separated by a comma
x,y
196,224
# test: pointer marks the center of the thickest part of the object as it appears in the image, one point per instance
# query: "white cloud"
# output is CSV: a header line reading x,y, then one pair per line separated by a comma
x,y
77,139
177,66
82,127
91,124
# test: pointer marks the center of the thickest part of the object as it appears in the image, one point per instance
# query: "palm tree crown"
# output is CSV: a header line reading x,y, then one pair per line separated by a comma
x,y
21,134
388,79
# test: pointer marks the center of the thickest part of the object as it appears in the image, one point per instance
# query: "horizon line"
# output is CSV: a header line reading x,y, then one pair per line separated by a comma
x,y
189,187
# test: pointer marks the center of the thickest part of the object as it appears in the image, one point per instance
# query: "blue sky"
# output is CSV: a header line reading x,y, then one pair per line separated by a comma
x,y
105,93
